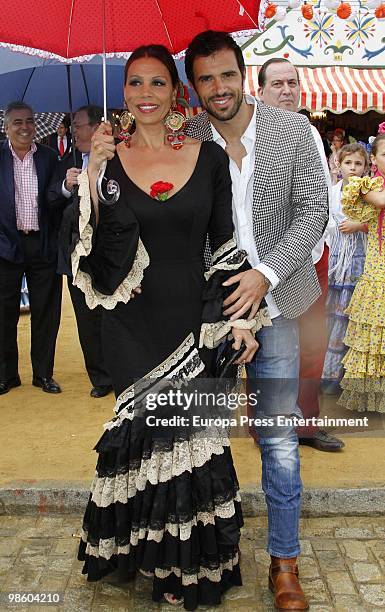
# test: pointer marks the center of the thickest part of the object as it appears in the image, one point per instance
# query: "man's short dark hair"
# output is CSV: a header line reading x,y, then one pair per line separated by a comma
x,y
272,60
95,113
207,43
16,106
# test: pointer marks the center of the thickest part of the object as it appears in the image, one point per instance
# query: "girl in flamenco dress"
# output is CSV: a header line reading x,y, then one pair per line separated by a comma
x,y
363,384
346,264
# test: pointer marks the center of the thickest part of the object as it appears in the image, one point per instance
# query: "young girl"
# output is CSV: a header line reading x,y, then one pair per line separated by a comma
x,y
346,264
363,384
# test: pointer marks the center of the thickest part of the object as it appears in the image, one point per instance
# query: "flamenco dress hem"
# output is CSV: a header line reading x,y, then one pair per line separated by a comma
x,y
168,506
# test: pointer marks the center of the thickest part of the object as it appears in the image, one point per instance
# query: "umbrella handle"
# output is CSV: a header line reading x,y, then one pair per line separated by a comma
x,y
113,188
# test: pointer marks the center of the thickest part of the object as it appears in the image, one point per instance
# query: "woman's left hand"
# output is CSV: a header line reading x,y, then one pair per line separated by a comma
x,y
245,336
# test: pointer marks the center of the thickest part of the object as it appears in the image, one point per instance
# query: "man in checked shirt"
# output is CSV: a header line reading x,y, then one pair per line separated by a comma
x,y
28,244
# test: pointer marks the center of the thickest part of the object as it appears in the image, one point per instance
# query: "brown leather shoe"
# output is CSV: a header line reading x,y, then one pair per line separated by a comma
x,y
284,584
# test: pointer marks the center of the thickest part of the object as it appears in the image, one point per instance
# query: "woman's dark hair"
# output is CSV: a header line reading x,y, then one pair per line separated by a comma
x,y
207,43
376,142
158,52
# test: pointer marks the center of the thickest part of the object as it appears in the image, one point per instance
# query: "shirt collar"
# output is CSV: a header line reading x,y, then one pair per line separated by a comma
x,y
249,133
32,150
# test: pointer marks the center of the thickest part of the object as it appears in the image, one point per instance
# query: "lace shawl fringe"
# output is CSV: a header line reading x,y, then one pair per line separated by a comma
x,y
81,279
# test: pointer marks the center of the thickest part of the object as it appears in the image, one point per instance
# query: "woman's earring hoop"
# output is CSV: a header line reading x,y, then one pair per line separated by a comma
x,y
175,123
126,120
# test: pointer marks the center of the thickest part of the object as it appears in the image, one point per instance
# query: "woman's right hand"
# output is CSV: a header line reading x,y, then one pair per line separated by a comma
x,y
102,147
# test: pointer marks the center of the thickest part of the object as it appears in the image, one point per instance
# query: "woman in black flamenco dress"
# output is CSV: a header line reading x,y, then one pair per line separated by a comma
x,y
167,506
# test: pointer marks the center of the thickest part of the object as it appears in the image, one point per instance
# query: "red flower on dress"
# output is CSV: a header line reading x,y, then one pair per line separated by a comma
x,y
160,190
381,128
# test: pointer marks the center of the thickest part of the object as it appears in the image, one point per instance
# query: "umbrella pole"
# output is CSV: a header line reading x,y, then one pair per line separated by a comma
x,y
104,87
113,188
104,62
71,112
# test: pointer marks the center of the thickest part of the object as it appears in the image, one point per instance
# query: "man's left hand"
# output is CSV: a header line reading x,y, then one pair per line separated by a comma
x,y
252,287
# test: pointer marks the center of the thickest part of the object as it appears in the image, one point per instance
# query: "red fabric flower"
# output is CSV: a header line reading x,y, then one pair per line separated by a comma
x,y
160,190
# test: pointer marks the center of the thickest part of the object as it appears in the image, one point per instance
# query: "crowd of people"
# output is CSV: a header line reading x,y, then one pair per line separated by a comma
x,y
244,185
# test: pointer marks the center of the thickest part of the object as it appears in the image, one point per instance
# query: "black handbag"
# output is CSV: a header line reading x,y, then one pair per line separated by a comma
x,y
226,366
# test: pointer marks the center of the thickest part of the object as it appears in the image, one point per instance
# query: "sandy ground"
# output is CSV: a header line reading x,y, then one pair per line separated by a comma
x,y
50,437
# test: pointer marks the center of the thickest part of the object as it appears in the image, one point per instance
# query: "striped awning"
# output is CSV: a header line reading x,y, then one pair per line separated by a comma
x,y
334,88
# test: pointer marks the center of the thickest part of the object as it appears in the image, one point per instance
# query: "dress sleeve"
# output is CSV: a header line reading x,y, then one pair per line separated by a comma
x,y
227,260
353,205
108,261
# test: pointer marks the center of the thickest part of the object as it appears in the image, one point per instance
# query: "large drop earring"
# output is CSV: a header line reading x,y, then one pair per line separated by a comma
x,y
175,123
126,120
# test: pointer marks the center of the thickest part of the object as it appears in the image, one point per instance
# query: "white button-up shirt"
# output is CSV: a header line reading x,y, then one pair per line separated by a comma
x,y
242,185
318,250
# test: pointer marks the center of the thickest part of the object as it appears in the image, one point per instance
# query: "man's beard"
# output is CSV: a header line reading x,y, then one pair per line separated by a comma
x,y
226,115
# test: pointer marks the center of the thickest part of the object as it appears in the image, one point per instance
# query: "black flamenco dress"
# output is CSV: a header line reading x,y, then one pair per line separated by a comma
x,y
167,506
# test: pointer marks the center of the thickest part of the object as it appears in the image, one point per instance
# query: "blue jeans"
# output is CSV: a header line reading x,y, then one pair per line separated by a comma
x,y
273,376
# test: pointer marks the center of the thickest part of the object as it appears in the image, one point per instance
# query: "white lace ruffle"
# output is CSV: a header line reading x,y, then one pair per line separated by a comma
x,y
226,263
229,257
230,245
162,466
214,575
81,279
160,370
106,549
182,531
190,368
212,334
48,55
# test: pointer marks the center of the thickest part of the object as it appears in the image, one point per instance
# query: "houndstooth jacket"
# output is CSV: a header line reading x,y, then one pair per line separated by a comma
x,y
290,202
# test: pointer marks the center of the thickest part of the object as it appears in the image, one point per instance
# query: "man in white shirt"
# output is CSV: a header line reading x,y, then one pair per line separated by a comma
x,y
280,210
279,86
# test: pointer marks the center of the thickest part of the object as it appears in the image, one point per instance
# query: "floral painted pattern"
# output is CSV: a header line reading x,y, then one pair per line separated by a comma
x,y
360,29
320,29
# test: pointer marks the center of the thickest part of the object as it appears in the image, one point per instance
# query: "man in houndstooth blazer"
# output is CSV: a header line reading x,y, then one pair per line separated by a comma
x,y
280,211
289,202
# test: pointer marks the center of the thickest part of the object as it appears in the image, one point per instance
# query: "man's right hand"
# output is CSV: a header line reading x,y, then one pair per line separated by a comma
x,y
102,147
71,178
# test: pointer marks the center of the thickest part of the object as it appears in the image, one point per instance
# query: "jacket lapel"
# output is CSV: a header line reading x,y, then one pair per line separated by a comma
x,y
199,127
7,183
265,153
